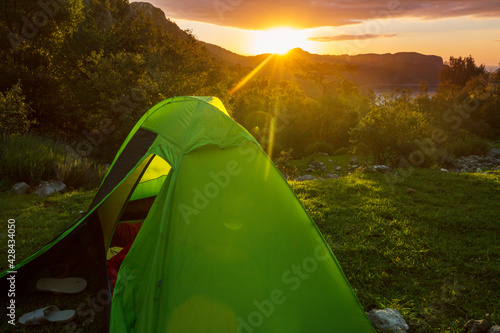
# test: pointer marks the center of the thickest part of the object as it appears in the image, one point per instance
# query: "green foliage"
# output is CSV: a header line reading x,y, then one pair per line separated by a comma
x,y
28,158
390,129
468,144
287,169
14,111
319,146
459,71
31,158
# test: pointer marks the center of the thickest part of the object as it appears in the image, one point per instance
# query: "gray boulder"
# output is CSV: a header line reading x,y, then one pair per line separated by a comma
x,y
306,177
45,191
338,168
494,329
477,326
495,152
58,185
20,188
382,168
444,170
388,320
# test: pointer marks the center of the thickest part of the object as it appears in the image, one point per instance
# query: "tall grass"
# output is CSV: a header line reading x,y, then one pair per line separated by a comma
x,y
31,158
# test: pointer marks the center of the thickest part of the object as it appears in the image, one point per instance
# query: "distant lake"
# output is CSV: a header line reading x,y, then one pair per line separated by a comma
x,y
379,89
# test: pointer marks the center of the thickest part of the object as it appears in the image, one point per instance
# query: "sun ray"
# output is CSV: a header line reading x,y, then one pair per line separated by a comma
x,y
250,75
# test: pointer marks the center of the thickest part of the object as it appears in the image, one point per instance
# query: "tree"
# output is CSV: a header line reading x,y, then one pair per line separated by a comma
x,y
459,71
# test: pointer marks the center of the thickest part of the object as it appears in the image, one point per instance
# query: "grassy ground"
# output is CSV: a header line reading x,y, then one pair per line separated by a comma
x,y
425,242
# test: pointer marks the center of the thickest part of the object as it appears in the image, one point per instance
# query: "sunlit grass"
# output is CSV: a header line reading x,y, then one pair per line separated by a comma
x,y
433,253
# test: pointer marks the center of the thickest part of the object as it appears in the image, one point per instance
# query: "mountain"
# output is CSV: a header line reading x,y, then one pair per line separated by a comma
x,y
399,69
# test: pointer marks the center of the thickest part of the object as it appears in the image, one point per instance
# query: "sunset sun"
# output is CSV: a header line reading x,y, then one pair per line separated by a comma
x,y
278,41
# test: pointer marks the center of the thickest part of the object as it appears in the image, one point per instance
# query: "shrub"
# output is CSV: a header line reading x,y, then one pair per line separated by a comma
x,y
29,158
283,164
319,146
14,111
390,130
469,144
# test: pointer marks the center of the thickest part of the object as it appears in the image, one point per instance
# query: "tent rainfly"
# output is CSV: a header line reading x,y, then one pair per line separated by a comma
x,y
225,245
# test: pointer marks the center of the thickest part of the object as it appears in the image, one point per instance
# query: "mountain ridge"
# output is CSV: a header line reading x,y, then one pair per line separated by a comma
x,y
401,68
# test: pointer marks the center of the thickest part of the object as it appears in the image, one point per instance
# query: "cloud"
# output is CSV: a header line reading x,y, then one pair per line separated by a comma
x,y
349,37
263,14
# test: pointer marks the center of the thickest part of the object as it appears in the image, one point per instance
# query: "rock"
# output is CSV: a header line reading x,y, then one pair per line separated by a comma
x,y
382,168
58,185
323,168
495,152
388,320
477,326
354,166
354,160
45,191
20,188
411,191
310,169
330,161
321,163
338,168
81,212
321,153
444,170
494,329
306,177
329,175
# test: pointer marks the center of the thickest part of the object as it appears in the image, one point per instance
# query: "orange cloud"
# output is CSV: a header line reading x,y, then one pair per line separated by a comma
x,y
263,14
349,37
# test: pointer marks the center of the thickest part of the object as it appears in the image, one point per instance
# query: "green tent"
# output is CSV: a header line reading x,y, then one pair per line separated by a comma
x,y
225,245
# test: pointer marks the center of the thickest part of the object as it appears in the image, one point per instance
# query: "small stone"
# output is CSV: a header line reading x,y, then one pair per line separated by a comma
x,y
306,177
45,191
494,329
411,191
81,212
330,161
338,168
58,186
329,175
310,169
477,326
444,170
354,160
20,188
388,320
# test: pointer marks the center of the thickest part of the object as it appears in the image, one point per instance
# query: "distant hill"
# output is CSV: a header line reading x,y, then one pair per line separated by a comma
x,y
399,69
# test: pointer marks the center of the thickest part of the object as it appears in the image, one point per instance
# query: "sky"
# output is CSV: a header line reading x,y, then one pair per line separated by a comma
x,y
439,27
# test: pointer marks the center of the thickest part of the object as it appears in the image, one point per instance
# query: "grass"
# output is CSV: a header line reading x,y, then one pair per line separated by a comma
x,y
431,252
425,243
38,219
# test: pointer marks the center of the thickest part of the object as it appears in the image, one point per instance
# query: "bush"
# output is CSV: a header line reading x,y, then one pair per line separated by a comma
x,y
469,144
29,158
319,146
390,130
14,111
283,164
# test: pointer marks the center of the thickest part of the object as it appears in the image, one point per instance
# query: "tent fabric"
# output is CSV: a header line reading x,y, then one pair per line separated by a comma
x,y
225,244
